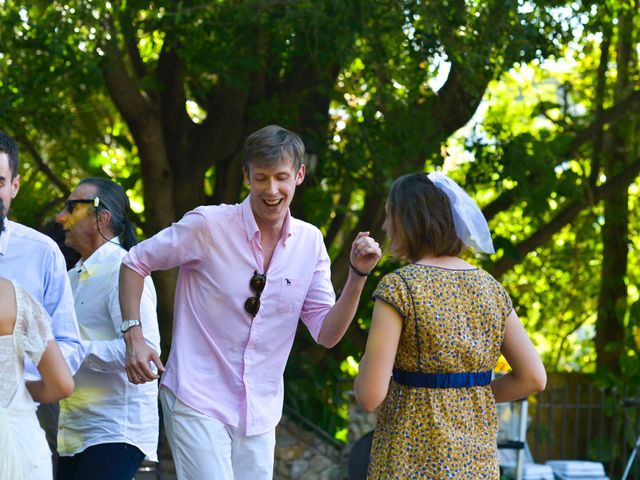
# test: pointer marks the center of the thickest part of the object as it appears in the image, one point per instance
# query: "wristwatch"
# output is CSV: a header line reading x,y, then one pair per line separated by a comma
x,y
127,324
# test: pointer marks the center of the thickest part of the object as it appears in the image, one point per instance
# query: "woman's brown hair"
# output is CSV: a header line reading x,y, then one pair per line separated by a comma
x,y
421,218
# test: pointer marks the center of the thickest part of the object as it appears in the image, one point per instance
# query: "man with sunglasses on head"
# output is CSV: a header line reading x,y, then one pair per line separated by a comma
x,y
247,274
35,262
108,425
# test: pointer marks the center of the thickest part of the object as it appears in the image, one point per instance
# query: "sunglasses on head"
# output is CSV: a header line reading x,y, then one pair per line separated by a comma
x,y
69,205
257,283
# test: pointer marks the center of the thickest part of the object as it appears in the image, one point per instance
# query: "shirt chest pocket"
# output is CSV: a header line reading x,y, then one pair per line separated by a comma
x,y
290,295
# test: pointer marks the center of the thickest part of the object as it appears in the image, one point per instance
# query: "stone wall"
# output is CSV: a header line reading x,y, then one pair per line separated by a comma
x,y
360,422
301,454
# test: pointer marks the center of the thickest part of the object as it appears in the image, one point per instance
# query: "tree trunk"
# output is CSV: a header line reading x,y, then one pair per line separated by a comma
x,y
612,301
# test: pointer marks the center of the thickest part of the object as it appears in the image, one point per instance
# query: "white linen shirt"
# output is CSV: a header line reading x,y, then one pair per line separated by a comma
x,y
105,407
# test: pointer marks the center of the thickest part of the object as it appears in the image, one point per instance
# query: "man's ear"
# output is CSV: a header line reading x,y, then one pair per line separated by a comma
x,y
15,186
300,175
245,174
104,217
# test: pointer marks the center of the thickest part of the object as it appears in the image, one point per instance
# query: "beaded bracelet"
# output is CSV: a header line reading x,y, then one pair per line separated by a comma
x,y
356,271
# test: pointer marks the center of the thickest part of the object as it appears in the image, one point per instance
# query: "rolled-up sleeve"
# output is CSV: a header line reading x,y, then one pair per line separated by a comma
x,y
109,355
321,296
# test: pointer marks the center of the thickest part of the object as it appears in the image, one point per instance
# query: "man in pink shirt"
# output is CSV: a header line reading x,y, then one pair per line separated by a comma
x,y
248,273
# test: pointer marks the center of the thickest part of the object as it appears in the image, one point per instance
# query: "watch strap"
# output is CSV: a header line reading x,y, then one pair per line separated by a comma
x,y
127,324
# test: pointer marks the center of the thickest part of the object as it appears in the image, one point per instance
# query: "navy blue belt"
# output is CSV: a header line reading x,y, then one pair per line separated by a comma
x,y
442,380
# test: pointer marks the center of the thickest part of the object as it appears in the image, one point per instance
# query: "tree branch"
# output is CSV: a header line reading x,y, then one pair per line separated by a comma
x,y
457,102
338,219
224,127
146,128
591,133
131,43
609,115
42,165
372,222
501,203
565,216
123,90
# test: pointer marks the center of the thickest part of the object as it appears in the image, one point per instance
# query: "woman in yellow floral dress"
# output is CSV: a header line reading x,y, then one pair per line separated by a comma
x,y
439,325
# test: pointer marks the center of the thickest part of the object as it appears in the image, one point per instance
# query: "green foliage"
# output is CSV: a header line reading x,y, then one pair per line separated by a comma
x,y
497,93
317,392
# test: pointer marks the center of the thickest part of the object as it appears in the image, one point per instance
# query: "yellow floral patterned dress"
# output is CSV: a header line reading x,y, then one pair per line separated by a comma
x,y
453,322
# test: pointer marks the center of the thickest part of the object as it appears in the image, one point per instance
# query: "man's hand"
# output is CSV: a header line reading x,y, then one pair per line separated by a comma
x,y
138,358
365,253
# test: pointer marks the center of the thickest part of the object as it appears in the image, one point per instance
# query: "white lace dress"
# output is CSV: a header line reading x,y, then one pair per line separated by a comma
x,y
24,453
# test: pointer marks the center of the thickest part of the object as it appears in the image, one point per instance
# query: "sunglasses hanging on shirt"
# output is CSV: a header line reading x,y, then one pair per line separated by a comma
x,y
257,283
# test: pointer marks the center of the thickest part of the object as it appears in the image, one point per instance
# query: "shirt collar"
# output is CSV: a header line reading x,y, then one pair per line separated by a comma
x,y
91,264
252,227
4,236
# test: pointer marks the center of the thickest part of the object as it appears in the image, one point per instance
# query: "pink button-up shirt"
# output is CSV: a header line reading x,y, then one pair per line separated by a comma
x,y
224,363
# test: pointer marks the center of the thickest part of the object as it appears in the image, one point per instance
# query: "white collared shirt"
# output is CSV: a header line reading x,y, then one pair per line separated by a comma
x,y
105,407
